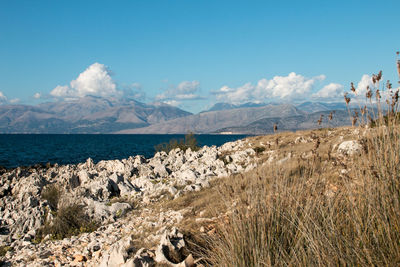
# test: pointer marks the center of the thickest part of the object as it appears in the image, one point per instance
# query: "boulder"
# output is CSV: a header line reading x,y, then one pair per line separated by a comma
x,y
349,148
170,247
118,254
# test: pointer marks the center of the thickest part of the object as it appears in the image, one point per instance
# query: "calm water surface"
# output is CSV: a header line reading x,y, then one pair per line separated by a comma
x,y
29,149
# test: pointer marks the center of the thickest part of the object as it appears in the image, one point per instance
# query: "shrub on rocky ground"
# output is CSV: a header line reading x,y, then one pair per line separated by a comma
x,y
52,194
189,141
3,250
69,220
259,149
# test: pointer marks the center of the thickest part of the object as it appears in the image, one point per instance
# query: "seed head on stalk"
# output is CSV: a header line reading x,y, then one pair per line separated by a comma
x,y
388,85
331,115
368,94
378,95
346,98
364,110
352,88
398,64
320,119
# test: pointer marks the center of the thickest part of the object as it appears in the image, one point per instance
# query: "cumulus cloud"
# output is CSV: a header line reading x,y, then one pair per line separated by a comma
x,y
330,91
292,86
286,87
186,90
37,95
3,98
237,95
172,103
362,85
95,80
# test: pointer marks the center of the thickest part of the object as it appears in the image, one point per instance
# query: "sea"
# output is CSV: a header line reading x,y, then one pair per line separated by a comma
x,y
31,149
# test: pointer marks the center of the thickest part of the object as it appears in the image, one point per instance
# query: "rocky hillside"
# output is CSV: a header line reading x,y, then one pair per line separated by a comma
x,y
212,121
140,209
293,123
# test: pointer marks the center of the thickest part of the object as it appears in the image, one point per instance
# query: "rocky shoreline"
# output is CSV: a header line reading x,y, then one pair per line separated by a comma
x,y
114,194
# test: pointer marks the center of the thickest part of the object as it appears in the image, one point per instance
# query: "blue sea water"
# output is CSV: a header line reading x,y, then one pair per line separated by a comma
x,y
30,149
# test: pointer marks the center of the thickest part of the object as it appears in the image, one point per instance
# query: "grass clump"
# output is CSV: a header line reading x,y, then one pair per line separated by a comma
x,y
4,250
69,220
297,215
52,194
259,149
189,141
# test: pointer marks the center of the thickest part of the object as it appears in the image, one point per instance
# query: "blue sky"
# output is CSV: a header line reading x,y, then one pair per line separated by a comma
x,y
194,53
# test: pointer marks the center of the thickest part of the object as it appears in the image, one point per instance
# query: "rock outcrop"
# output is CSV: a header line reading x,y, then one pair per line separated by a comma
x,y
107,191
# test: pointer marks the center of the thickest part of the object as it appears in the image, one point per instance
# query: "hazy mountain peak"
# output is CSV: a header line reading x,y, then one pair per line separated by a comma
x,y
227,106
89,114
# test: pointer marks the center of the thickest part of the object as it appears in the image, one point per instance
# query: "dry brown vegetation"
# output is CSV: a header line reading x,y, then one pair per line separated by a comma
x,y
316,207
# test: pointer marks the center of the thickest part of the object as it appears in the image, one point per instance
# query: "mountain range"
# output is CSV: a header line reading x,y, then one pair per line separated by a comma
x,y
91,115
84,115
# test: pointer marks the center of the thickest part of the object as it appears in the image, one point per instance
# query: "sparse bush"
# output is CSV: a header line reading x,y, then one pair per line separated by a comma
x,y
189,141
52,194
3,250
259,149
69,220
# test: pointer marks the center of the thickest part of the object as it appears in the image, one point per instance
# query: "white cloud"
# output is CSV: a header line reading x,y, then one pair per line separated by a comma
x,y
3,98
172,103
330,91
287,87
37,95
362,85
292,86
238,95
95,80
187,87
186,90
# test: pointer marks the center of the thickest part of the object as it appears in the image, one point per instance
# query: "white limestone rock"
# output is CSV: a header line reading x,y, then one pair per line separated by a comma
x,y
350,148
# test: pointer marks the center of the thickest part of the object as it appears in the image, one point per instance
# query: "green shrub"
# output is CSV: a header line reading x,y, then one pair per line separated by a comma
x,y
68,221
3,250
189,141
52,194
259,149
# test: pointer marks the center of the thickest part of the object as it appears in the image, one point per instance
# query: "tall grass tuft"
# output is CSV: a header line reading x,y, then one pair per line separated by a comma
x,y
290,215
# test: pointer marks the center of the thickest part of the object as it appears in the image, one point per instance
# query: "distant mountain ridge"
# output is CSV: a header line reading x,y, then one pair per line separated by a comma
x,y
92,114
85,115
307,106
292,123
212,121
226,106
312,107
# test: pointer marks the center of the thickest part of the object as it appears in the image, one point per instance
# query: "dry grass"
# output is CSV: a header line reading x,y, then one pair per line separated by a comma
x,y
69,220
318,210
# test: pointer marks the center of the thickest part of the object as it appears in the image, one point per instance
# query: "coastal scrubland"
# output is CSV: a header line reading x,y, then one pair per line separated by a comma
x,y
313,206
327,196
